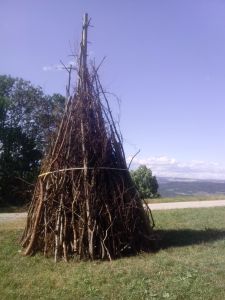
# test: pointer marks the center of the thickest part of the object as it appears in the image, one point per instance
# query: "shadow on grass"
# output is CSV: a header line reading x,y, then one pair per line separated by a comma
x,y
187,237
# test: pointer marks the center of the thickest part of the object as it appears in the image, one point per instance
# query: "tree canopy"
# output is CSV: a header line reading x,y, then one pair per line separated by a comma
x,y
146,183
28,119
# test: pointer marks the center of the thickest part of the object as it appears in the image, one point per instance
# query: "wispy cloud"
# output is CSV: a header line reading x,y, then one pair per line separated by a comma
x,y
170,167
57,67
60,67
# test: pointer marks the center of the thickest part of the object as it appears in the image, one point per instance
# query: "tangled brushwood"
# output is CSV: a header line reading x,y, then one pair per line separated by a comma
x,y
85,204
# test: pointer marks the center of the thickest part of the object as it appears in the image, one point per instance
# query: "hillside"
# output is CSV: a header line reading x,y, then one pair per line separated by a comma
x,y
171,187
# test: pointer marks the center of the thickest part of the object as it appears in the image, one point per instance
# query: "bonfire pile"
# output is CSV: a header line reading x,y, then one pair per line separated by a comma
x,y
85,204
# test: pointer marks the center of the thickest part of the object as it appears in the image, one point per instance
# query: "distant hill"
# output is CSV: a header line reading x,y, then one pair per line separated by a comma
x,y
171,187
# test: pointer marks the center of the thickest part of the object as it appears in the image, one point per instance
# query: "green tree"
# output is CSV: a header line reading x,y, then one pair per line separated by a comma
x,y
28,119
30,109
19,162
146,184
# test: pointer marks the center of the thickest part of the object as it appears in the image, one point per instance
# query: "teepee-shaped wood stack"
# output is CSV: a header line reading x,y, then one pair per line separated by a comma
x,y
85,204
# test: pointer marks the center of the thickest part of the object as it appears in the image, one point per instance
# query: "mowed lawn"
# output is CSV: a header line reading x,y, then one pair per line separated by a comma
x,y
190,264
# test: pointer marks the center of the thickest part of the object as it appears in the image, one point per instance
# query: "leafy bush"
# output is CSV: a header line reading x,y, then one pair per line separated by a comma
x,y
147,184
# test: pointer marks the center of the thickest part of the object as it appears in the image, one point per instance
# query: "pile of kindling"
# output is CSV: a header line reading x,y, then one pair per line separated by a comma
x,y
85,204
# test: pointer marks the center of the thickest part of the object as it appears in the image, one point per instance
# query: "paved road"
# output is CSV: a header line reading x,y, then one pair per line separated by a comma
x,y
7,217
187,204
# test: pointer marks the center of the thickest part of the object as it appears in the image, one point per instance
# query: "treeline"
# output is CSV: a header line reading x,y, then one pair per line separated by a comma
x,y
28,119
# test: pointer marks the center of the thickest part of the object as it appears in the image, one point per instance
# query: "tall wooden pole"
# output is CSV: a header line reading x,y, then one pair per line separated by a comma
x,y
83,88
83,52
84,39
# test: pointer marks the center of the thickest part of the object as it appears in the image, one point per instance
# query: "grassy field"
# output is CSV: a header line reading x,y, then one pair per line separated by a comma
x,y
189,265
187,198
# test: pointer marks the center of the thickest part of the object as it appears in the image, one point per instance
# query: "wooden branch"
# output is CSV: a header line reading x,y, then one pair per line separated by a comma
x,y
133,158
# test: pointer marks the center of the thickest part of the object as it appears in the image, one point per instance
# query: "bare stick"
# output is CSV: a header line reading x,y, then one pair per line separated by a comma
x,y
133,158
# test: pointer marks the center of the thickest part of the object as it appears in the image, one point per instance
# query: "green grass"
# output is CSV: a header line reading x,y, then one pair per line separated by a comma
x,y
190,265
202,197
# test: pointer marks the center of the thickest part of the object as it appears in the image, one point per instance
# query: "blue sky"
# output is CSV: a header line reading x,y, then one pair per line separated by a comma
x,y
165,60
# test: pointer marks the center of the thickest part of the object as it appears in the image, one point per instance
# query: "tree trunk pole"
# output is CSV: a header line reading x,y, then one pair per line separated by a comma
x,y
83,54
84,40
84,74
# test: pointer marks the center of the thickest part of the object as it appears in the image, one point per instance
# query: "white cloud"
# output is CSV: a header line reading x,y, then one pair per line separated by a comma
x,y
57,67
47,68
52,68
170,167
